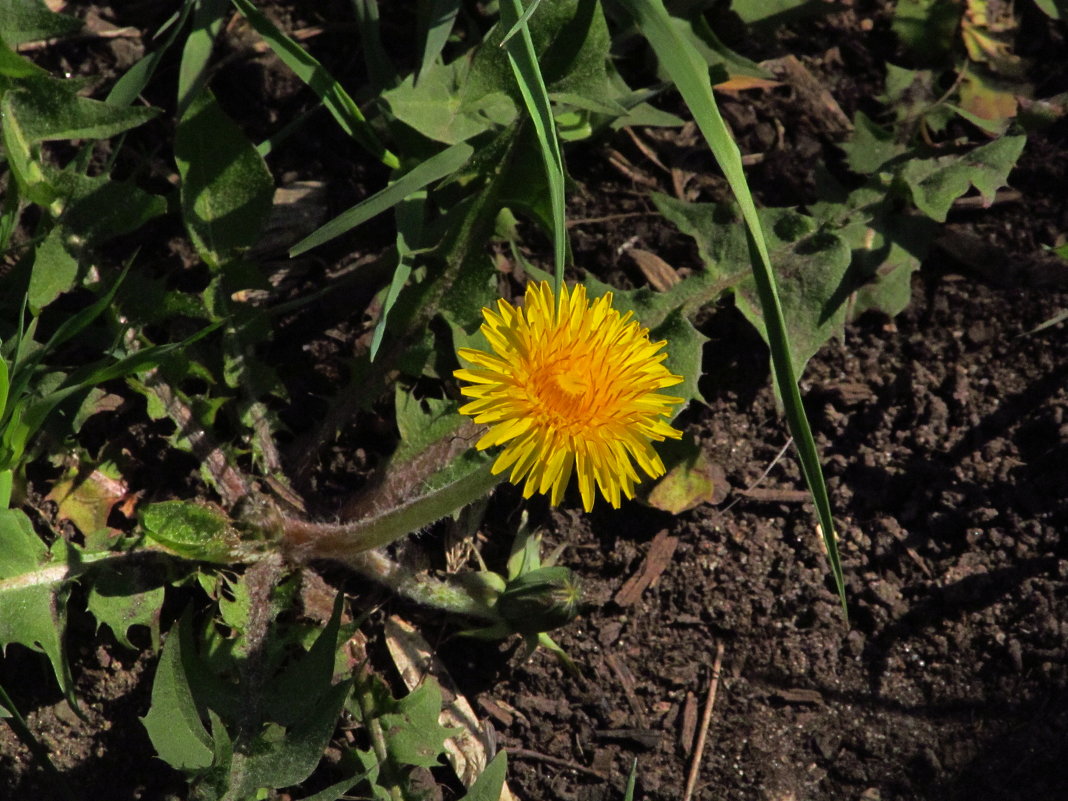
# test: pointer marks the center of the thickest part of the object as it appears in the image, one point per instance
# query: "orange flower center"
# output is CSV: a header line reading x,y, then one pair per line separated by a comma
x,y
568,395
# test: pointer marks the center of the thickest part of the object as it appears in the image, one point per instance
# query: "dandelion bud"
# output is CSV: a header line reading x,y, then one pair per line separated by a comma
x,y
540,600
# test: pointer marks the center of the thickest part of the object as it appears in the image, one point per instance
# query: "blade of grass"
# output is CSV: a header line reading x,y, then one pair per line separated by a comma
x,y
632,780
409,234
134,80
528,76
521,21
379,66
689,72
337,101
436,167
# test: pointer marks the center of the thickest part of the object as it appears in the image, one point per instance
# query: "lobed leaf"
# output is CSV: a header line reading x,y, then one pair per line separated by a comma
x,y
121,599
937,182
33,592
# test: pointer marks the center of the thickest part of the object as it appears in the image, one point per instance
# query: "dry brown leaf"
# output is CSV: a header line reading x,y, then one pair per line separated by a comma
x,y
660,275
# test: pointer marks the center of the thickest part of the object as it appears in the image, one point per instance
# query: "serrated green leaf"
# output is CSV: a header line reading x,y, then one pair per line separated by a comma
x,y
888,248
685,353
413,734
450,103
422,423
936,182
33,592
810,268
30,20
173,721
871,146
120,599
226,188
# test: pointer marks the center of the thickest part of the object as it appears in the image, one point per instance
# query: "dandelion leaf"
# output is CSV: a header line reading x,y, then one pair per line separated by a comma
x,y
413,735
935,183
123,599
33,592
810,262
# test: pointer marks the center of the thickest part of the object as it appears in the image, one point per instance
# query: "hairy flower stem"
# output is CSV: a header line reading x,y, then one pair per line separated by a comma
x,y
340,541
473,600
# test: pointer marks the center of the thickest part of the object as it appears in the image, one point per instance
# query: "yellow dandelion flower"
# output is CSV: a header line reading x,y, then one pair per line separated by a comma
x,y
571,386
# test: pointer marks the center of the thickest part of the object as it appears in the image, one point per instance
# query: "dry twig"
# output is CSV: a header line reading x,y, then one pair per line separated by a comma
x,y
706,719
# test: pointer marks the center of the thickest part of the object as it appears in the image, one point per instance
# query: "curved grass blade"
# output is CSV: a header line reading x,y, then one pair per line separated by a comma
x,y
409,234
689,72
134,80
337,101
379,65
520,22
436,167
528,76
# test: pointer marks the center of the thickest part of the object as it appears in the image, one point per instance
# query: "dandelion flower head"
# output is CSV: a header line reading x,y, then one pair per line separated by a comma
x,y
570,387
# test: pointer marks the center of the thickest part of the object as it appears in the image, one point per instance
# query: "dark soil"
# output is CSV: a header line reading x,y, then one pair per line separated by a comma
x,y
944,434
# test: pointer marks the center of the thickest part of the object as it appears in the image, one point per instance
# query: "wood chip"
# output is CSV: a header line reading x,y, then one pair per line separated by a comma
x,y
777,495
626,681
689,724
661,549
648,739
799,695
812,96
496,711
660,275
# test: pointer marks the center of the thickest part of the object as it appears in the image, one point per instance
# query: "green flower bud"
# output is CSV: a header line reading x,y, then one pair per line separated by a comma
x,y
541,600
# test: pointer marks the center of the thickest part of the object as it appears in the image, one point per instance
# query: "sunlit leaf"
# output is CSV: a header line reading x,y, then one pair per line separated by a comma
x,y
33,592
31,20
226,188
